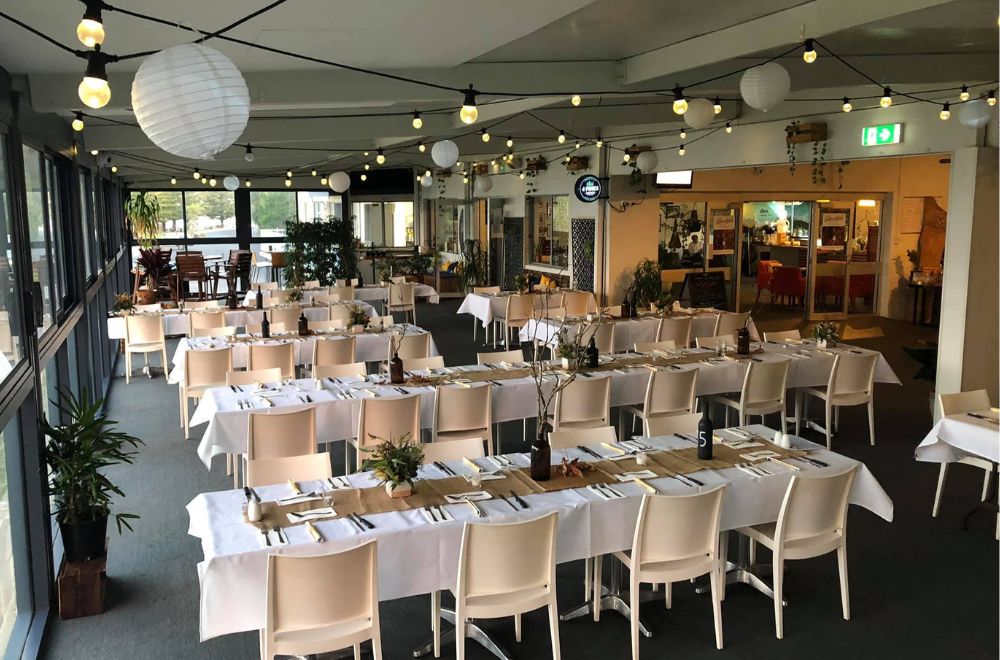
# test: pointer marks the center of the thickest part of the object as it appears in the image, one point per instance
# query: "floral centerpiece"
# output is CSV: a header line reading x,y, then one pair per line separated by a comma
x,y
395,463
356,315
521,282
825,333
569,352
123,305
295,295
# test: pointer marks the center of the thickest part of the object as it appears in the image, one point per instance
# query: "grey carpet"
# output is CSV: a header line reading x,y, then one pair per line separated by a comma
x,y
920,587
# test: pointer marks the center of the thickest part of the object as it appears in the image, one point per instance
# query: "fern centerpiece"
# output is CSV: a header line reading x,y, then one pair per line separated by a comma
x,y
395,464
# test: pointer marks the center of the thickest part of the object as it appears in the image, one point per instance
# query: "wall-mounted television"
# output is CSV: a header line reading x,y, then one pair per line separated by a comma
x,y
674,179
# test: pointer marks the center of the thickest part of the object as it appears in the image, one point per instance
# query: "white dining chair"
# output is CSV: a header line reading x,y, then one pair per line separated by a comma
x,y
668,392
763,392
334,350
453,450
266,286
256,329
265,356
322,603
676,539
518,311
340,370
579,303
418,364
144,335
504,569
570,438
496,357
728,324
221,331
412,346
851,383
310,284
812,522
397,279
782,335
402,299
209,319
463,412
676,329
603,334
671,424
383,419
203,368
250,377
340,313
956,404
584,403
271,471
278,435
653,346
345,292
289,316
485,291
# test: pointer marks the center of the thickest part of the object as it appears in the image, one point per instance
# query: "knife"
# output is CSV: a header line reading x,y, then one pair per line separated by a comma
x,y
591,452
430,511
444,516
518,499
509,503
367,523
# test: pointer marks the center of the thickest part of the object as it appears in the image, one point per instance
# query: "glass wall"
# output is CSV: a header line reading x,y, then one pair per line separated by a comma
x,y
548,229
8,580
384,224
453,227
10,309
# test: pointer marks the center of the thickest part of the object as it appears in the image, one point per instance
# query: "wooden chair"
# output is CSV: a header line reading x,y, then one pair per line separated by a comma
x,y
190,267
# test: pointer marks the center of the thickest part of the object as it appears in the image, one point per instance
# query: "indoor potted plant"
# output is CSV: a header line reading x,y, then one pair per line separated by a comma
x,y
357,318
395,464
142,211
825,334
77,453
521,282
647,285
156,265
123,305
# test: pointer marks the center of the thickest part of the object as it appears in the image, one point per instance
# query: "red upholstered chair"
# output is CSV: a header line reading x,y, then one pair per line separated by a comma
x,y
765,269
787,281
862,286
829,285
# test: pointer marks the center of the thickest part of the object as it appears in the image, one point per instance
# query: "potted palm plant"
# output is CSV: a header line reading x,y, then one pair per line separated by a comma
x,y
142,211
395,464
77,454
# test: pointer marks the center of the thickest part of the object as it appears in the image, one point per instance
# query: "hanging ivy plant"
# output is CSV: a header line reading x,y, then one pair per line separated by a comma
x,y
321,250
818,165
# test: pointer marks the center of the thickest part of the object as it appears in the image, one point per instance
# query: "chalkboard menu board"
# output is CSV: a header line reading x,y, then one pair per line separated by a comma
x,y
706,289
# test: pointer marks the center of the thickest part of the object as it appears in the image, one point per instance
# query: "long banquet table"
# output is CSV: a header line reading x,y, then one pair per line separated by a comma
x,y
338,405
176,322
365,293
417,557
487,307
369,347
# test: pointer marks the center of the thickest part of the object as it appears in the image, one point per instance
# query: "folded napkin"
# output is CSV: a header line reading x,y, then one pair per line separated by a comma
x,y
312,514
440,515
475,496
273,538
500,461
605,492
296,499
486,476
759,455
632,476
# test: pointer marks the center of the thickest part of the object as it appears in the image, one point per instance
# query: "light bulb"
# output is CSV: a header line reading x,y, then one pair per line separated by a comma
x,y
380,157
945,112
288,174
366,153
204,180
627,157
561,138
991,98
427,173
313,173
493,162
964,94
248,156
717,105
680,150
77,121
599,144
729,127
248,183
485,135
173,181
809,54
421,148
886,100
90,32
288,183
114,168
322,181
566,159
684,134
364,177
521,175
367,166
465,179
847,107
576,146
94,152
510,143
575,99
680,103
197,175
211,182
94,92
417,121
469,113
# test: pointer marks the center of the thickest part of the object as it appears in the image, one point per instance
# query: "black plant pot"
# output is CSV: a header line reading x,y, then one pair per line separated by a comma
x,y
84,541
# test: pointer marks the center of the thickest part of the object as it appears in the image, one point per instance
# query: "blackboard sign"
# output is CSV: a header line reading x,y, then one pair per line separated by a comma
x,y
706,289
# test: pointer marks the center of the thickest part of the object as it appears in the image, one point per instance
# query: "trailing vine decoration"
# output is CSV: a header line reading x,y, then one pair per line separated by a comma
x,y
790,130
818,157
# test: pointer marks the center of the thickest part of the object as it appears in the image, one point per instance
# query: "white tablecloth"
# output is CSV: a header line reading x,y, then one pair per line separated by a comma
x,y
487,307
369,347
957,436
415,557
513,399
250,299
176,323
627,332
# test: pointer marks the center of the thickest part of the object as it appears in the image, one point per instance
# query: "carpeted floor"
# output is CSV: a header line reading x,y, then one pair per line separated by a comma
x,y
920,587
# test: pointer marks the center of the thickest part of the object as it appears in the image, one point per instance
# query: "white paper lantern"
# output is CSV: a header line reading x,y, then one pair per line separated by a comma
x,y
444,153
339,182
190,100
427,181
974,114
646,162
231,183
483,185
765,86
700,113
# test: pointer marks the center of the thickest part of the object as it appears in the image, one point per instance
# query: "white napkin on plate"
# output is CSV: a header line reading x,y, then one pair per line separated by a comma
x,y
475,496
312,514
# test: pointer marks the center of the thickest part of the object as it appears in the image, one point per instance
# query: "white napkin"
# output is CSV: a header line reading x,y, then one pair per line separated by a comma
x,y
759,455
273,537
337,483
475,496
632,476
437,517
500,461
486,476
606,493
312,514
296,499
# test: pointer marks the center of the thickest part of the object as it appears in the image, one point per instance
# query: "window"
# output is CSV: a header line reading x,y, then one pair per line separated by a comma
x,y
171,214
321,205
10,334
452,228
269,211
41,262
86,222
8,585
682,236
384,224
548,229
57,244
209,214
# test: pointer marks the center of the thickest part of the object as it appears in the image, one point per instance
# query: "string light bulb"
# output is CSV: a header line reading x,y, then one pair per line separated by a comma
x,y
94,152
90,31
94,90
313,173
421,148
323,181
521,175
380,157
469,113
212,182
680,150
566,159
945,113
427,173
510,142
562,137
77,121
627,157
886,99
964,94
717,105
575,99
364,177
248,183
847,107
288,183
417,121
680,103
576,146
684,134
288,174
485,135
729,127
991,98
173,181
465,179
809,54
248,156
197,175
204,180
114,169
599,144
367,167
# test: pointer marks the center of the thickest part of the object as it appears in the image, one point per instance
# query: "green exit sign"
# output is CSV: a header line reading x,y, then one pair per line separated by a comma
x,y
873,136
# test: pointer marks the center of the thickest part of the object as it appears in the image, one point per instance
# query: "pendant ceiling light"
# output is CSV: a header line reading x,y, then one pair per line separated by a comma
x,y
231,183
699,114
190,100
444,153
765,86
339,182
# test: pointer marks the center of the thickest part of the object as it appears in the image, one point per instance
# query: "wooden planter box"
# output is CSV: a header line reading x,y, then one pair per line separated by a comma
x,y
805,133
577,163
81,587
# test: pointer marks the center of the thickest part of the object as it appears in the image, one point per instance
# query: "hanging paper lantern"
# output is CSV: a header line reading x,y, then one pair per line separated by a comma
x,y
483,185
700,113
444,153
231,183
646,161
765,86
427,181
339,182
190,100
974,114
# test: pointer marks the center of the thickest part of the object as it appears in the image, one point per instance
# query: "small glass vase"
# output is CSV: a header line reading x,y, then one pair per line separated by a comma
x,y
541,455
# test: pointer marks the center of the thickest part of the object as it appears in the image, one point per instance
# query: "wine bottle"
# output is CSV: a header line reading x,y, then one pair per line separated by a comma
x,y
260,298
705,432
592,354
303,324
265,327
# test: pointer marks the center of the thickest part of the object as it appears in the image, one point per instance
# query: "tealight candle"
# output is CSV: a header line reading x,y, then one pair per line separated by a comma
x,y
476,478
641,458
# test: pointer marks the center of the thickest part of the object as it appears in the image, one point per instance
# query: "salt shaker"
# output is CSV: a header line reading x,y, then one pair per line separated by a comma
x,y
253,510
